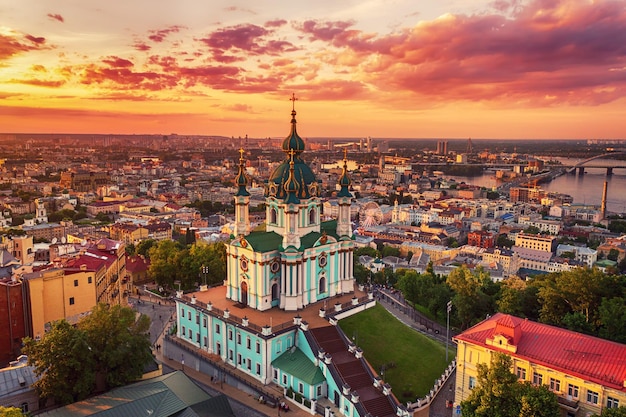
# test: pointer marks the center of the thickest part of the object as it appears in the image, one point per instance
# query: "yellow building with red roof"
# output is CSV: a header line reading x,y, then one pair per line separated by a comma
x,y
586,373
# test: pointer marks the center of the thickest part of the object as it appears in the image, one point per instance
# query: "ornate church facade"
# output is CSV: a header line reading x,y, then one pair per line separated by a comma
x,y
297,260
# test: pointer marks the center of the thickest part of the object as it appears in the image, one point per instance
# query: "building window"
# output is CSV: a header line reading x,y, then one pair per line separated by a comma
x,y
183,332
555,385
239,359
230,334
258,347
218,349
312,216
521,373
537,378
612,402
249,363
300,388
248,342
204,322
230,355
24,407
284,379
204,341
572,391
319,390
472,382
275,374
76,283
89,280
238,338
273,215
71,301
189,315
190,334
198,338
321,286
258,369
197,318
182,312
218,329
592,397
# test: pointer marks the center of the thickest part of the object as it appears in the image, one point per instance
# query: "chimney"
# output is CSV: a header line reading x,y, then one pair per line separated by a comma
x,y
604,196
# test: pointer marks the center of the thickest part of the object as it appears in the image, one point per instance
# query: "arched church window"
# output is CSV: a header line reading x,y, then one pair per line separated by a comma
x,y
273,215
275,291
321,287
312,216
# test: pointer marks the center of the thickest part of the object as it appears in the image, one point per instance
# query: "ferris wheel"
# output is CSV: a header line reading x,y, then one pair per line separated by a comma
x,y
370,214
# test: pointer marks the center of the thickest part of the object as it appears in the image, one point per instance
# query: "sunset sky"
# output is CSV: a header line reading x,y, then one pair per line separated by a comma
x,y
379,68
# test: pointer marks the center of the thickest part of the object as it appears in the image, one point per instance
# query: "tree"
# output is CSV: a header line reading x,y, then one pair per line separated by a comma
x,y
11,412
499,394
119,343
107,348
471,297
143,247
613,254
613,412
613,319
163,262
63,362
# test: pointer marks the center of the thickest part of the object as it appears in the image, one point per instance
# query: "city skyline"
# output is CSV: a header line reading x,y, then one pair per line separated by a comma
x,y
480,69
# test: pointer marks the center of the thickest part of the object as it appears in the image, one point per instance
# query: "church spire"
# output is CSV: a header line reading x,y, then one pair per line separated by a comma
x,y
344,179
242,200
291,185
242,178
293,142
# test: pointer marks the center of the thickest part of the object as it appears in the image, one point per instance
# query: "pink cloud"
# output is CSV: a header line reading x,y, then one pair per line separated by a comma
x,y
40,83
227,43
56,17
160,35
14,44
117,62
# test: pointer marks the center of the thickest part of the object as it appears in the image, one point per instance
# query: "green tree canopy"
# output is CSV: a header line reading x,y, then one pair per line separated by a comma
x,y
107,348
499,394
613,412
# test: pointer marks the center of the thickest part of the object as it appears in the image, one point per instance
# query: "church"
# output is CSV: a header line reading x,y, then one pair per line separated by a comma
x,y
297,260
275,317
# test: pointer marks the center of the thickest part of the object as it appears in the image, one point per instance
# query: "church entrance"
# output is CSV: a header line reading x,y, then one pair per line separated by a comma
x,y
244,293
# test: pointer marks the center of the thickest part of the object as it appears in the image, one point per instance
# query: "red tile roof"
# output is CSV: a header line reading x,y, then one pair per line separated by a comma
x,y
587,357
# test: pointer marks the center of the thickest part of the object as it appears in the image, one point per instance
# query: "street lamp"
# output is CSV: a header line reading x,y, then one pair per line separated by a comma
x,y
448,308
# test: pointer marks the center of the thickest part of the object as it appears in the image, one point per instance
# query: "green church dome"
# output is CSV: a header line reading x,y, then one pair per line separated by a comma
x,y
303,178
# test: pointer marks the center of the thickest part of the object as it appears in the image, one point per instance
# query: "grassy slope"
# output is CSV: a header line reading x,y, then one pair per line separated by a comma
x,y
419,360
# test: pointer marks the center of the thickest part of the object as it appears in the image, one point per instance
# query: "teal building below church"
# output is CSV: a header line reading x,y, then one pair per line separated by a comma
x,y
275,317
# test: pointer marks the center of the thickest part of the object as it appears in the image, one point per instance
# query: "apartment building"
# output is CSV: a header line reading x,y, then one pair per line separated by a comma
x,y
536,242
586,373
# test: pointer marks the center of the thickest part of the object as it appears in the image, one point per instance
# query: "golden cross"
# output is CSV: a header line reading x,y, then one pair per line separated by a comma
x,y
293,99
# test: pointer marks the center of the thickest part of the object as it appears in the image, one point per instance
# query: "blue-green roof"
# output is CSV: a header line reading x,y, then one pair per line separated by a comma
x,y
295,362
264,241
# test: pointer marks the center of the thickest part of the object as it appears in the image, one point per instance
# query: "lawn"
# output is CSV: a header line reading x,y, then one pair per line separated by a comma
x,y
418,360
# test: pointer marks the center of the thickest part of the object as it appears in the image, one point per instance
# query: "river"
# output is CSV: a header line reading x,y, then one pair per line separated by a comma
x,y
585,189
